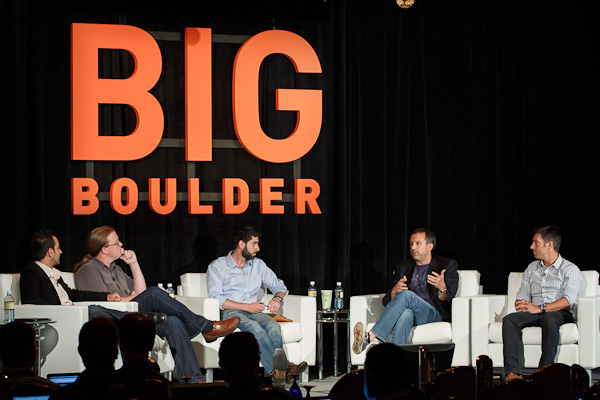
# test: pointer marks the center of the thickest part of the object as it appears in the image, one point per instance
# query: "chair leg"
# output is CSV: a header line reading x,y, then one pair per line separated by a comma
x,y
209,375
304,376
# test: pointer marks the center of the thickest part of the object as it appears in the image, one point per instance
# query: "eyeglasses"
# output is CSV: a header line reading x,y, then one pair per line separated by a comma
x,y
114,244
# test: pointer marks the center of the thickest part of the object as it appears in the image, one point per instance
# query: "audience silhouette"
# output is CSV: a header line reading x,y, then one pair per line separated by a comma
x,y
386,374
239,358
138,375
98,348
18,357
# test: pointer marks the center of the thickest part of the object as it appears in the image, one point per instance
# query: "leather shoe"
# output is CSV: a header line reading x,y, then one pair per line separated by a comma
x,y
296,368
156,317
221,328
512,376
280,367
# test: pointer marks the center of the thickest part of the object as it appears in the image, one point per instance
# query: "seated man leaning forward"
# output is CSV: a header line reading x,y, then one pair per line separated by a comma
x,y
100,271
546,298
422,292
235,280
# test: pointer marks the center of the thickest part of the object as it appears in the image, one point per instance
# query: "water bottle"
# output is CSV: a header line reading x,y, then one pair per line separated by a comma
x,y
9,308
170,290
312,289
338,302
160,286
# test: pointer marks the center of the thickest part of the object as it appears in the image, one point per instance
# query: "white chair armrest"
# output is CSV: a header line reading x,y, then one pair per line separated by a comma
x,y
208,307
366,309
461,330
588,309
127,306
485,309
303,309
205,306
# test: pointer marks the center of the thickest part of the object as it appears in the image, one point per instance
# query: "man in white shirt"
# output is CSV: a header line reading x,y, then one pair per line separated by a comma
x,y
235,280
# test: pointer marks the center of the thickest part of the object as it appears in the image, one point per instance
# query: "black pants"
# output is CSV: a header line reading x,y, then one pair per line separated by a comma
x,y
512,336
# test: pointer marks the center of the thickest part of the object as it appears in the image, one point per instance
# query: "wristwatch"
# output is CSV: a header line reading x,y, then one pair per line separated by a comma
x,y
444,290
278,298
543,307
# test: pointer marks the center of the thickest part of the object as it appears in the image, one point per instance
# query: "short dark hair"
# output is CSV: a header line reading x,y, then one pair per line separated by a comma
x,y
239,354
386,369
18,344
244,233
136,332
41,242
98,343
550,233
429,235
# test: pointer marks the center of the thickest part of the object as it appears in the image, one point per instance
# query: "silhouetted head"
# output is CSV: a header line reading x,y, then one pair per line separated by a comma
x,y
17,345
136,335
385,370
98,343
239,355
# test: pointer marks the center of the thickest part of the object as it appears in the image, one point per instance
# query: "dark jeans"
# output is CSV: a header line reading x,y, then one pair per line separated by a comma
x,y
180,326
512,336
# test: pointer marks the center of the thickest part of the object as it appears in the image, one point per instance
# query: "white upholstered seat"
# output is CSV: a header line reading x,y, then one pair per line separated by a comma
x,y
368,308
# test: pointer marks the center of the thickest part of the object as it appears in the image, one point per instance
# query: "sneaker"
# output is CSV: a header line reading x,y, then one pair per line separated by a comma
x,y
361,338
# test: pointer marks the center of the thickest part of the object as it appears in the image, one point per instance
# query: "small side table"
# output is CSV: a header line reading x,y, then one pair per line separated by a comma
x,y
334,317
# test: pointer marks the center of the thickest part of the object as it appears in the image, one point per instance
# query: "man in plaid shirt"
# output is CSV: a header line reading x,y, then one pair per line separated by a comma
x,y
547,298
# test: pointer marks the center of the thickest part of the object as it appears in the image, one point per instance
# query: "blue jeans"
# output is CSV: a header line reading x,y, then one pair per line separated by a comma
x,y
180,326
401,314
266,331
512,336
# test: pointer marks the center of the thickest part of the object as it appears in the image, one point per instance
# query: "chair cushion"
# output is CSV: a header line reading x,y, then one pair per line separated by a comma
x,y
533,335
291,332
435,332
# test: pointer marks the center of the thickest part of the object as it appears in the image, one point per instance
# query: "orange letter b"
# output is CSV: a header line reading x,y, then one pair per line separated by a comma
x,y
88,91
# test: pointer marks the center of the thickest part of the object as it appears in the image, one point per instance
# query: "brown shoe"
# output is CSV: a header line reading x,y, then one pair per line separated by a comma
x,y
221,328
297,368
512,376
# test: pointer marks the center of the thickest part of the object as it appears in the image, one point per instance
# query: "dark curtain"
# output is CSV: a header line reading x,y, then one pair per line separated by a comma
x,y
476,118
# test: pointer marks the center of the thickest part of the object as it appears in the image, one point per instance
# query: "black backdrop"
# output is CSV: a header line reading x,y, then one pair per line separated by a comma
x,y
475,118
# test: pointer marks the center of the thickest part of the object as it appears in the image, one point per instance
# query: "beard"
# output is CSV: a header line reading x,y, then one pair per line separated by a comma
x,y
247,255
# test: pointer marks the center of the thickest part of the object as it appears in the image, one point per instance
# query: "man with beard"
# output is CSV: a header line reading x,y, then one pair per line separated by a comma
x,y
547,297
235,280
422,291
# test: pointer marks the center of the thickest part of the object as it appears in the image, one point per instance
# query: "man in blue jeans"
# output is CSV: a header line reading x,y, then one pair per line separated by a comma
x,y
422,292
546,298
235,280
41,284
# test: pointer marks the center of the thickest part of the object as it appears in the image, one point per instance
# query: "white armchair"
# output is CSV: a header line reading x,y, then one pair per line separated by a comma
x,y
368,308
59,347
299,336
579,342
161,352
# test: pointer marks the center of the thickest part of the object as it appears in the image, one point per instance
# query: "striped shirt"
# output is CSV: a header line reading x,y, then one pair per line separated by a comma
x,y
543,284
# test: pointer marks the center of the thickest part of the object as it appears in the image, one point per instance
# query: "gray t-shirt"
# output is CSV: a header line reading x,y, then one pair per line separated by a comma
x,y
94,275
